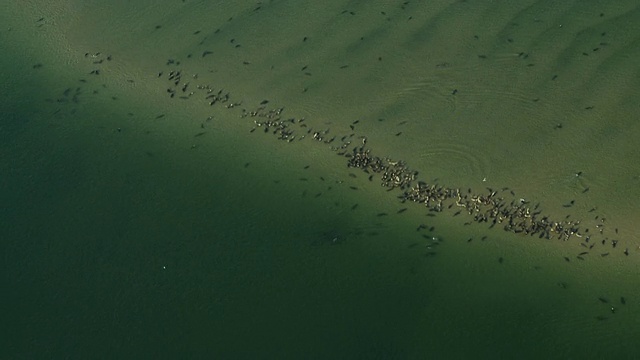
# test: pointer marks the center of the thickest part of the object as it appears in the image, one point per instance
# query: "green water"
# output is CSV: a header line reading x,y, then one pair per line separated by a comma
x,y
135,227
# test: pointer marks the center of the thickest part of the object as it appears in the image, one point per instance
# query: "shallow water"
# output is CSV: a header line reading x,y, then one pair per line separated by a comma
x,y
135,223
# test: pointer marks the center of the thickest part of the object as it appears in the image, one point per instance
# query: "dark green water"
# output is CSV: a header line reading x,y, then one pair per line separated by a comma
x,y
125,235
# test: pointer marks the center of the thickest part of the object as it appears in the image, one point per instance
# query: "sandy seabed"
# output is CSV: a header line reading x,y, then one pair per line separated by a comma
x,y
141,223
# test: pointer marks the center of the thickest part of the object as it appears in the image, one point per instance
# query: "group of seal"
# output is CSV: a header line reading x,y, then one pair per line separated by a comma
x,y
495,207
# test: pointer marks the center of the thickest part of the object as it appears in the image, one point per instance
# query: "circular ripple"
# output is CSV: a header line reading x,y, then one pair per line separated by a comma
x,y
461,159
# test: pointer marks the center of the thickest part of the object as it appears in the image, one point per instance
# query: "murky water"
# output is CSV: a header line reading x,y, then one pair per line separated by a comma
x,y
141,219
